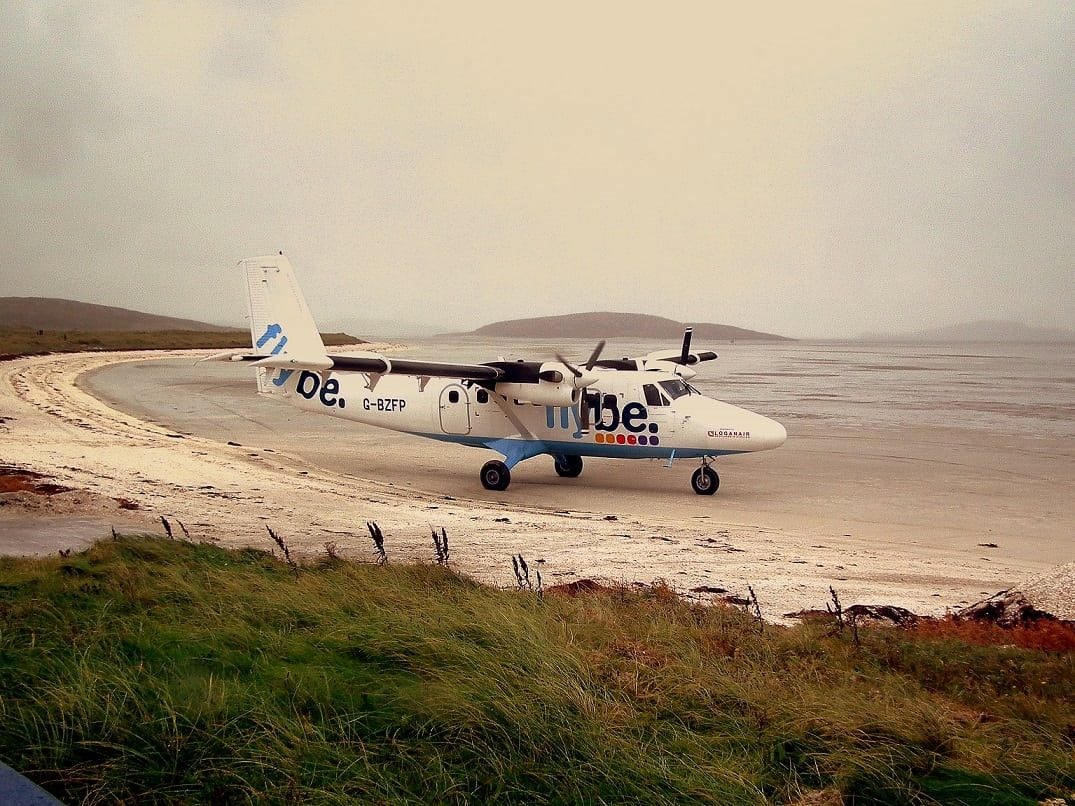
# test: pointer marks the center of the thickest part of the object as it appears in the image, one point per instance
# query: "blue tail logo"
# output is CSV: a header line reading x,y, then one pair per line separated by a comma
x,y
271,332
274,331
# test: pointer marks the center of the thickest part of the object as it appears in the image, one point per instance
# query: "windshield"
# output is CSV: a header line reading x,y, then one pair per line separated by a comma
x,y
678,388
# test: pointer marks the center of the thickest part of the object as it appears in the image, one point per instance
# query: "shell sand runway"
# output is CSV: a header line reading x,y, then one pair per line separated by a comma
x,y
828,509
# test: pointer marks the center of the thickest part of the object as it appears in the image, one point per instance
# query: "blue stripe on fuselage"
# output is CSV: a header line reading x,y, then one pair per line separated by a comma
x,y
576,448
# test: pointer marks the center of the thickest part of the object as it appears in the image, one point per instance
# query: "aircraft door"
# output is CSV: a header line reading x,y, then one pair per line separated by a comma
x,y
455,409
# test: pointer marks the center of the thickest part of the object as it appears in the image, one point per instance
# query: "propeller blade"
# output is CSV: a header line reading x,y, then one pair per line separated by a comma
x,y
574,370
589,362
686,345
595,355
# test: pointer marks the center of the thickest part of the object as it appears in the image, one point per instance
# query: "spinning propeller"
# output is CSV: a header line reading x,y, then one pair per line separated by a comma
x,y
590,362
584,379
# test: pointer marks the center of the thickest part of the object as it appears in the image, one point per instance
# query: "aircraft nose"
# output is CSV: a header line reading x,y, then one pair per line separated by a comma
x,y
770,434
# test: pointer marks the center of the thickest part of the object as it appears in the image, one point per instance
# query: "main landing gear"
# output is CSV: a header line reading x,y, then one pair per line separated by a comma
x,y
705,480
495,475
568,467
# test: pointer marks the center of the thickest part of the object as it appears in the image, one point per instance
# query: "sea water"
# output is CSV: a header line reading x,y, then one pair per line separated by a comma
x,y
1024,389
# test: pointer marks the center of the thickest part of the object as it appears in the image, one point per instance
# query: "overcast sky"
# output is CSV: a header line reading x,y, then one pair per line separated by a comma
x,y
812,169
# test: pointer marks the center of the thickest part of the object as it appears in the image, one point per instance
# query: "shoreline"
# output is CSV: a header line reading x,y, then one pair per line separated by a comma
x,y
229,493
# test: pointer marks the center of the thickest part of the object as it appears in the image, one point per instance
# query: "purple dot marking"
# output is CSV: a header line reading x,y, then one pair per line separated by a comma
x,y
654,441
643,440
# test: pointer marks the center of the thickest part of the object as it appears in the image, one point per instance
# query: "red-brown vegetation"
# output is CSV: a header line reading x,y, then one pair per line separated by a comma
x,y
577,588
1047,634
17,480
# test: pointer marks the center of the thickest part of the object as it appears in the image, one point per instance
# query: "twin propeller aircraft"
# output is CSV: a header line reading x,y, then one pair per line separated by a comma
x,y
632,408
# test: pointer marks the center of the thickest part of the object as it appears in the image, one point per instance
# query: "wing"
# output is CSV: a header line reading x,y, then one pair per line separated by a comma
x,y
677,357
656,359
544,384
382,365
373,363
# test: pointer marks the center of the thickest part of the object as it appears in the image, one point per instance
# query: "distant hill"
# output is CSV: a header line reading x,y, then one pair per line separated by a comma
x,y
34,325
981,331
380,329
43,313
615,325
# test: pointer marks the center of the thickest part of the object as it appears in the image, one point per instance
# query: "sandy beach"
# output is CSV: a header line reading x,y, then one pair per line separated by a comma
x,y
929,519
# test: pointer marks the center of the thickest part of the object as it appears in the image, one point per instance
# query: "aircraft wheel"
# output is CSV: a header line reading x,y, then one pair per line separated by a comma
x,y
568,467
705,481
495,475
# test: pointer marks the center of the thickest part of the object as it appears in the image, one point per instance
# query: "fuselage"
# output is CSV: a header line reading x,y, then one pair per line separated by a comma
x,y
628,415
630,408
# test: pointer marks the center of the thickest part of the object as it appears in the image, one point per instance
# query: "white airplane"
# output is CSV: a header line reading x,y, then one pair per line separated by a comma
x,y
634,408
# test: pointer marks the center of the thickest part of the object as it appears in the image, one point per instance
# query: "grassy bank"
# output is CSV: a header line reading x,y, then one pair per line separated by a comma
x,y
152,670
17,341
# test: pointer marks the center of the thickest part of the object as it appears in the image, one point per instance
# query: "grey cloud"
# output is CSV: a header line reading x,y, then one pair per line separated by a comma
x,y
952,196
53,101
404,189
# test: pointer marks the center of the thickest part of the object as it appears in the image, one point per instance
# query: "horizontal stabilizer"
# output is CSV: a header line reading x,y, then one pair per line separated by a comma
x,y
280,361
231,355
292,361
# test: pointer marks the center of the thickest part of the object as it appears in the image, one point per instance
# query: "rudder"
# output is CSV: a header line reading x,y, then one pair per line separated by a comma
x,y
280,321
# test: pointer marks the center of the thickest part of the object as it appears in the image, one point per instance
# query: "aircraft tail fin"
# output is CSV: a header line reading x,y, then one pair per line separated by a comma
x,y
281,327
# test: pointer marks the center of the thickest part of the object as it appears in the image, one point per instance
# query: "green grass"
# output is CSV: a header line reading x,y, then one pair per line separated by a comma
x,y
21,341
146,670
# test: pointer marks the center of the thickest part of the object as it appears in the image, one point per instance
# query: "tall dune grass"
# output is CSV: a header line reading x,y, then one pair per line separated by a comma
x,y
147,670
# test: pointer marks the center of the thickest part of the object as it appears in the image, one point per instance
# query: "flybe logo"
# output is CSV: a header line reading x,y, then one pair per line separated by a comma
x,y
607,418
271,332
274,331
310,384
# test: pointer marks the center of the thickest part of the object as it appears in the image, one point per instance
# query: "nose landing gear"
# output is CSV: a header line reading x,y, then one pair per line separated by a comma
x,y
705,480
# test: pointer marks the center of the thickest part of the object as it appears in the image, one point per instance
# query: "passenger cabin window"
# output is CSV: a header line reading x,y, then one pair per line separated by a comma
x,y
483,396
653,395
453,396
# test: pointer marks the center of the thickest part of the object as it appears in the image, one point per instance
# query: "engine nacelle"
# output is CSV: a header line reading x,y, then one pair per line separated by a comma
x,y
674,356
542,392
686,373
557,373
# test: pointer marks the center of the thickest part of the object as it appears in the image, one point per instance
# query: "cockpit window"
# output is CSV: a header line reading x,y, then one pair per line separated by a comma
x,y
653,395
677,388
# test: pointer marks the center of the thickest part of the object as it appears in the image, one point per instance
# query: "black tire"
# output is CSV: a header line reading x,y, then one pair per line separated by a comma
x,y
495,475
569,467
705,481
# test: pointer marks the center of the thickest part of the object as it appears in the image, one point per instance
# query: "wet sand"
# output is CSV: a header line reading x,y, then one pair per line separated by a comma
x,y
894,516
